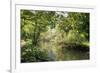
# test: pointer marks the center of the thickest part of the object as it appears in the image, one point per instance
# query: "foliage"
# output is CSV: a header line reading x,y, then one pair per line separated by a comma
x,y
43,31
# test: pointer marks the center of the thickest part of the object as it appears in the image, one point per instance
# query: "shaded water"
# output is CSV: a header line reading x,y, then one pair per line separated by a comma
x,y
60,53
58,50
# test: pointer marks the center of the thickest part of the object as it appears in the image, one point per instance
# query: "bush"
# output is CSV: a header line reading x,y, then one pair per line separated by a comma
x,y
74,37
34,55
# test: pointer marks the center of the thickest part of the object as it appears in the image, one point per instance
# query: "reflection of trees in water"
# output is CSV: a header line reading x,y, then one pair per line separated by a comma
x,y
60,50
54,35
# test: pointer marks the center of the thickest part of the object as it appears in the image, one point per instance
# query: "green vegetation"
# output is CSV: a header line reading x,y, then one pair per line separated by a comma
x,y
54,36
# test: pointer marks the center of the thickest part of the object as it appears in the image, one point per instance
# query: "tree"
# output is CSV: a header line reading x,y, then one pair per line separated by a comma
x,y
72,29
